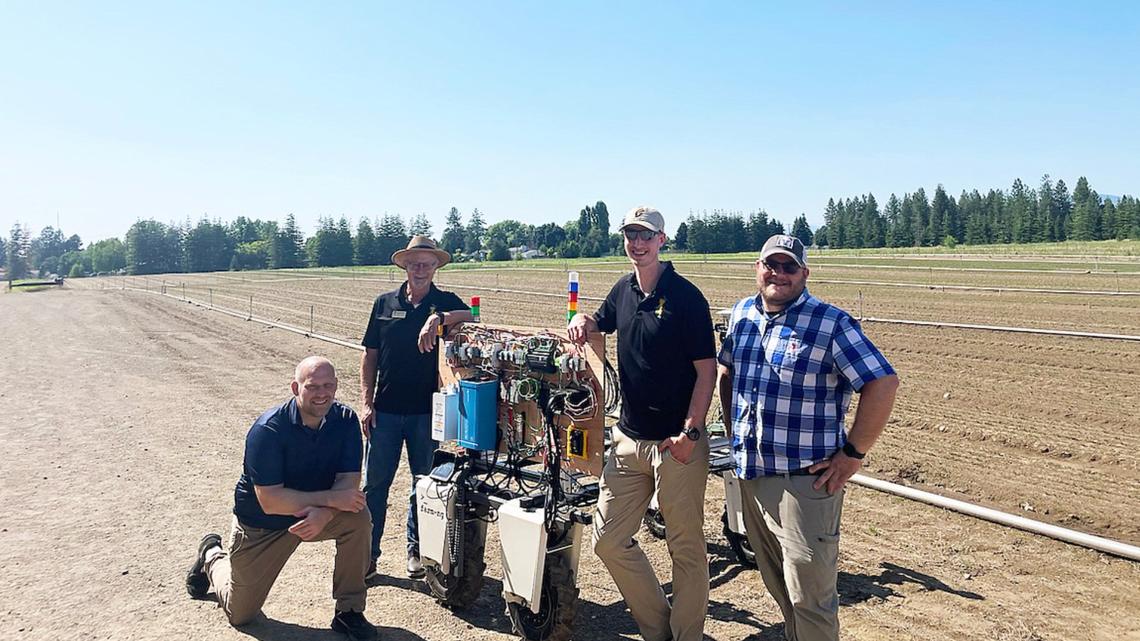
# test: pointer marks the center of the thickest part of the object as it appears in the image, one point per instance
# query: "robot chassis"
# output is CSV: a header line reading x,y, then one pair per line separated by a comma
x,y
533,481
523,413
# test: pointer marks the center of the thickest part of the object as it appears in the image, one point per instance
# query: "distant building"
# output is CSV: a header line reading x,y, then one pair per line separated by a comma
x,y
524,252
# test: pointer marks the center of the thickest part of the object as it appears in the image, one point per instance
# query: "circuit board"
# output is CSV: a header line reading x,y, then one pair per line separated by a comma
x,y
550,392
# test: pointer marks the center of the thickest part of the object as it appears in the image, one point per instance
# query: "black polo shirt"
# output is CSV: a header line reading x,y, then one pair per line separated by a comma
x,y
406,378
280,450
658,338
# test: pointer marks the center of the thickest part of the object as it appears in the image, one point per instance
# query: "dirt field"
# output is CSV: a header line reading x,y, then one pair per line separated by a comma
x,y
126,413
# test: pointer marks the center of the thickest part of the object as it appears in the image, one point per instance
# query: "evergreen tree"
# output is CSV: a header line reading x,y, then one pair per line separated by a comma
x,y
905,236
3,252
1022,212
1063,203
287,247
476,229
681,240
921,221
821,238
836,234
891,217
756,231
972,213
321,248
18,248
452,241
420,225
801,230
365,250
996,214
49,244
207,248
153,248
1047,210
874,229
602,218
1084,224
391,236
939,211
1108,221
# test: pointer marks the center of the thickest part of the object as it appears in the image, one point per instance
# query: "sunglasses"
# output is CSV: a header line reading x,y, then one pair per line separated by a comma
x,y
790,267
643,234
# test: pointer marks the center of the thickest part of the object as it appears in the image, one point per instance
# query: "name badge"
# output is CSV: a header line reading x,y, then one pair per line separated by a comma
x,y
399,313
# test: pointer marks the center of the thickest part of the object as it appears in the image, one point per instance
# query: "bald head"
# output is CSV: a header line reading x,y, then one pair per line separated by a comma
x,y
314,385
311,365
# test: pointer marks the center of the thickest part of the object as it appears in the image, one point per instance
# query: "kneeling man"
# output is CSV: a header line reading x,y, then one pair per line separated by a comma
x,y
300,482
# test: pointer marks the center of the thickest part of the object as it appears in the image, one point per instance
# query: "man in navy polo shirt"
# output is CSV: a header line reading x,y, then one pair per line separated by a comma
x,y
399,371
300,482
667,367
788,366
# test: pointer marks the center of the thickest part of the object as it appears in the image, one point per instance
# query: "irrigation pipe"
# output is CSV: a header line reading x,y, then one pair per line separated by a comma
x,y
994,516
895,321
256,319
1110,546
999,328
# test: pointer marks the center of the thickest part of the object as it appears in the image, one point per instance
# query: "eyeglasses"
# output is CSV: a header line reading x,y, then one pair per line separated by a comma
x,y
421,265
643,234
789,267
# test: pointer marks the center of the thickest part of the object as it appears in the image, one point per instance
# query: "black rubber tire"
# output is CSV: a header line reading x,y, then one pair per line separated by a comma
x,y
557,606
654,521
739,543
458,593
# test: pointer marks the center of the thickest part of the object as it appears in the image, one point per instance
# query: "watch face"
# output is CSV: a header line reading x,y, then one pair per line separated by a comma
x,y
693,433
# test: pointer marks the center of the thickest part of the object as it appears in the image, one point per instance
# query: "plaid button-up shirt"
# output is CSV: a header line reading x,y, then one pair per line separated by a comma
x,y
792,378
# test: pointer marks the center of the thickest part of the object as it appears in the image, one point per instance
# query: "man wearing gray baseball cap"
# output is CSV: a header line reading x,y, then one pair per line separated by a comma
x,y
666,365
788,366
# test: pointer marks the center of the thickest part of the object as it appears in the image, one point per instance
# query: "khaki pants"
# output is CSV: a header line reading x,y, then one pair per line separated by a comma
x,y
242,579
794,530
636,469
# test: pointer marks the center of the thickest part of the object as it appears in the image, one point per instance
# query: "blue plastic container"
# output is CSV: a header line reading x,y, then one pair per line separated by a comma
x,y
478,414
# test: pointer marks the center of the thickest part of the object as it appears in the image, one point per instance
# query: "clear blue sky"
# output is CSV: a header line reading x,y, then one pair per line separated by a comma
x,y
112,112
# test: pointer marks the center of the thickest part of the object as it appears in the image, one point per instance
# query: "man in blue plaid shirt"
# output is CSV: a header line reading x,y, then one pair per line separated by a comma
x,y
788,366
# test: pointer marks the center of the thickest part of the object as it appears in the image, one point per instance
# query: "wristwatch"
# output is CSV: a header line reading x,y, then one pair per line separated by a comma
x,y
439,315
850,450
693,434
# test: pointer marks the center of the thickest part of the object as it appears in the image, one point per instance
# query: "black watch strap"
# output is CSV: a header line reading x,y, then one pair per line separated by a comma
x,y
693,433
850,450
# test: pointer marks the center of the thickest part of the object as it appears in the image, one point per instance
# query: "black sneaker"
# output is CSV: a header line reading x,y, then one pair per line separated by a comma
x,y
197,583
355,626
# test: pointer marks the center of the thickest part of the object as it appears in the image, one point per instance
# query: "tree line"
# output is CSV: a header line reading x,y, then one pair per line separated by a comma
x,y
1023,214
1020,215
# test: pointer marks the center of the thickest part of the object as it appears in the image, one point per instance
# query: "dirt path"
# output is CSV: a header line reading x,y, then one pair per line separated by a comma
x,y
124,416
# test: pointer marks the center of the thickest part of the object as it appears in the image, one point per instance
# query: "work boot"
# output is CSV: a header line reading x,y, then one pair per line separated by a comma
x,y
355,626
197,583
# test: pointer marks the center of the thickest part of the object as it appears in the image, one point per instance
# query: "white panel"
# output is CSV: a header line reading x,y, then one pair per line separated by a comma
x,y
522,543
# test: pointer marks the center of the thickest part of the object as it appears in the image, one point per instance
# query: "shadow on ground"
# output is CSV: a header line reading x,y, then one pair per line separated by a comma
x,y
266,629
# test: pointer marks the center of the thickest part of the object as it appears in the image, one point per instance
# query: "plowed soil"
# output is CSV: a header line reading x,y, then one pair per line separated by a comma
x,y
126,412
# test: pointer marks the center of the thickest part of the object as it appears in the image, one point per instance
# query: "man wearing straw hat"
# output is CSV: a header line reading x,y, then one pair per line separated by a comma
x,y
788,367
398,374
